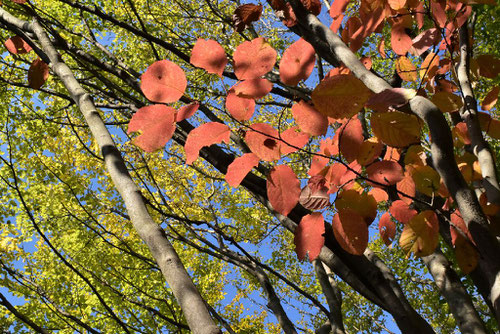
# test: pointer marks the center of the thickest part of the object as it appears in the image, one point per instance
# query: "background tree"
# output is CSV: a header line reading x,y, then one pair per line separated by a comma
x,y
310,150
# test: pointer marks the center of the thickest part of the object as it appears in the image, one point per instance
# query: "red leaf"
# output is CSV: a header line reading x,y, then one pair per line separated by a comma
x,y
314,196
187,111
209,55
246,14
253,59
400,40
285,12
294,138
205,135
38,73
164,82
350,231
17,45
309,119
379,194
156,124
387,228
314,6
297,62
425,40
253,88
489,66
308,237
263,141
338,175
240,167
407,187
350,139
437,11
340,96
240,108
337,13
458,224
283,189
401,211
385,172
392,97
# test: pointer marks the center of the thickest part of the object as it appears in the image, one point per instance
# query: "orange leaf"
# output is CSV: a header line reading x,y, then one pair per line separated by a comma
x,y
253,59
164,82
406,70
37,73
240,108
350,139
351,231
425,40
392,97
415,155
297,62
17,45
397,4
308,236
396,129
407,187
340,96
246,14
293,140
401,211
283,189
386,228
438,12
156,124
253,88
421,234
379,194
240,167
429,66
186,111
209,55
385,172
309,119
205,135
263,141
491,99
400,41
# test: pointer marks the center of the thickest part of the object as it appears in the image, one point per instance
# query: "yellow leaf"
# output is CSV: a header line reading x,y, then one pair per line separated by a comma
x,y
396,129
420,235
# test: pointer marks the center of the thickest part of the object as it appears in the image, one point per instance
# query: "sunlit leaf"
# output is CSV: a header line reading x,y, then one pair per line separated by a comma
x,y
351,231
308,236
156,123
164,82
283,189
297,62
205,135
421,234
240,167
396,129
252,59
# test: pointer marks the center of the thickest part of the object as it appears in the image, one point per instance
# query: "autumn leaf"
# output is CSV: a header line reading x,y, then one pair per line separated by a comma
x,y
350,138
297,62
421,234
426,179
400,41
163,82
17,45
489,66
262,140
447,102
402,212
387,228
314,196
385,172
309,119
209,55
240,167
186,111
253,88
340,96
292,140
406,70
351,231
313,6
244,15
205,135
241,108
392,97
253,59
425,40
369,150
308,236
283,189
429,66
156,123
491,98
396,129
362,203
37,73
407,187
